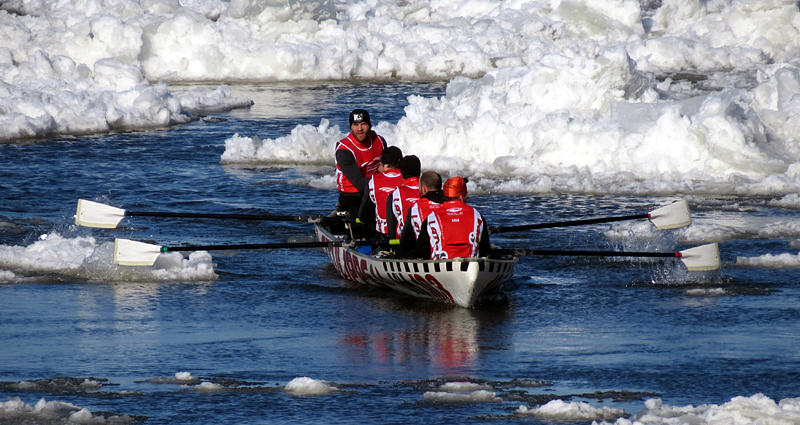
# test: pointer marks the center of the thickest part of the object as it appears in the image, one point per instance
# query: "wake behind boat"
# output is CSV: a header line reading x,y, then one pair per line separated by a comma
x,y
460,281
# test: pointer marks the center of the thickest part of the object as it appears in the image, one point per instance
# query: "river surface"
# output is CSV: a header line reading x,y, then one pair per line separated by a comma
x,y
608,332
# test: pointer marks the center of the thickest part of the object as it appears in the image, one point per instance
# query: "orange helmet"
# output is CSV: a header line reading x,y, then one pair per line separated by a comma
x,y
455,187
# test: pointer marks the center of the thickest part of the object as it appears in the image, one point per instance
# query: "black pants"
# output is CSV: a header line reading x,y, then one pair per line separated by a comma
x,y
349,202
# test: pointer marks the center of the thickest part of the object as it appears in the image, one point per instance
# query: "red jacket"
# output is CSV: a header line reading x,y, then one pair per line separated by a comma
x,y
379,188
419,211
403,198
454,230
367,158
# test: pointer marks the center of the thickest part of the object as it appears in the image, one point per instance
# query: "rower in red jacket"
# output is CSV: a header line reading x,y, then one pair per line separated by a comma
x,y
431,196
357,159
404,196
455,229
381,184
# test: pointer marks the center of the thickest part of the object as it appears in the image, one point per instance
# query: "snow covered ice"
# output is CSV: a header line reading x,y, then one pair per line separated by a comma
x,y
687,98
305,386
616,96
87,258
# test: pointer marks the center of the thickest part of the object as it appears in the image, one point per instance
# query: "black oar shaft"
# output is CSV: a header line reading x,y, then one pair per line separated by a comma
x,y
310,219
270,246
253,246
518,252
566,223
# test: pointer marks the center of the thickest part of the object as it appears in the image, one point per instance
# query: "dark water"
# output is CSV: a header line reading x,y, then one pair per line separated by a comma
x,y
585,328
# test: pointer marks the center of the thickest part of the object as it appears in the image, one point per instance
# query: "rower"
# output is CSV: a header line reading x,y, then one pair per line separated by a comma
x,y
357,159
381,184
454,229
403,197
431,196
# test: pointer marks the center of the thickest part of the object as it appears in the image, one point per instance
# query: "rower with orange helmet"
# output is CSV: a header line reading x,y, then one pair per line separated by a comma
x,y
455,229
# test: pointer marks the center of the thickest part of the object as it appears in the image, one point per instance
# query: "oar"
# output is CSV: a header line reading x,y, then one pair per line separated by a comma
x,y
134,253
700,258
671,216
94,214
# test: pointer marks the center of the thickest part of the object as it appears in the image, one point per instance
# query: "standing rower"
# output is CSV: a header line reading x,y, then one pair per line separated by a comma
x,y
357,159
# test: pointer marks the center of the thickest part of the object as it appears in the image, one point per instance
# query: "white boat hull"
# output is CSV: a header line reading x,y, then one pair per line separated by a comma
x,y
460,281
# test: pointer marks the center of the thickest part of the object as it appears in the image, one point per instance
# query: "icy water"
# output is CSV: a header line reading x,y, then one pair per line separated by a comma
x,y
610,333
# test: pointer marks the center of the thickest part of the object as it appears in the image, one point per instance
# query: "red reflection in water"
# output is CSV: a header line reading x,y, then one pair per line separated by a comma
x,y
447,340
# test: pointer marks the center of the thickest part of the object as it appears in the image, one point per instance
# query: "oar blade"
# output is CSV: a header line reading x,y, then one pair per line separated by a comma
x,y
94,214
133,253
672,216
702,258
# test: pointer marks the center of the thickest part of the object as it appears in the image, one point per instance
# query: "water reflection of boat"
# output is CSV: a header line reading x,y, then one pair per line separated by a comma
x,y
460,281
448,339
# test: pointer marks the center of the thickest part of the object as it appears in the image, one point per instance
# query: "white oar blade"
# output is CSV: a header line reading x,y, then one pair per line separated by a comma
x,y
93,214
133,253
672,216
702,258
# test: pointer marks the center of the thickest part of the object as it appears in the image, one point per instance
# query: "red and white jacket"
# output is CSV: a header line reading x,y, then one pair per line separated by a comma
x,y
403,198
379,188
454,230
419,211
367,157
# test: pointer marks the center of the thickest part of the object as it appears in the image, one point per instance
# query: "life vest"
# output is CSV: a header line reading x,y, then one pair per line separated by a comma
x,y
367,157
419,211
379,188
454,230
403,198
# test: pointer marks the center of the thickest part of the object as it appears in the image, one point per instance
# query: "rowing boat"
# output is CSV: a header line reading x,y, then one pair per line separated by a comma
x,y
461,281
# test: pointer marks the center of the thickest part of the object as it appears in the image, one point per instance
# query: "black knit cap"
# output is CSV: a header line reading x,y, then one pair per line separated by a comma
x,y
391,156
410,166
360,115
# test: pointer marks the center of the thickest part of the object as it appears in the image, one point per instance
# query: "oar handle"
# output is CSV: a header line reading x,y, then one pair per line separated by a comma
x,y
520,252
302,218
566,223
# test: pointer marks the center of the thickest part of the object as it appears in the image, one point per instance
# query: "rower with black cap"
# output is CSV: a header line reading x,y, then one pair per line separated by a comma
x,y
404,196
373,206
357,159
